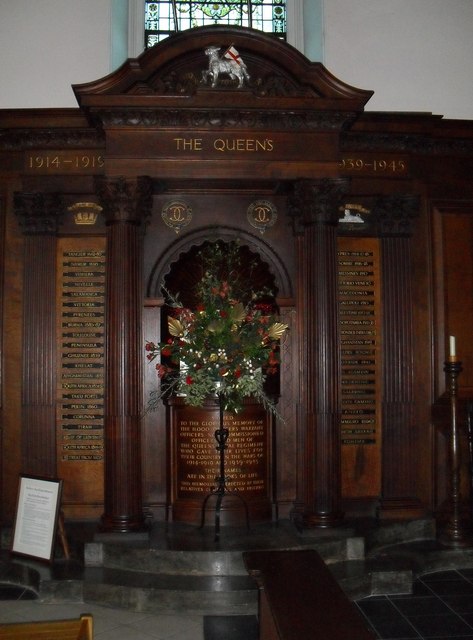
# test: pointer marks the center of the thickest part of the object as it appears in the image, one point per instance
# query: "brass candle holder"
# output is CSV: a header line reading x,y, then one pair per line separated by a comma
x,y
457,531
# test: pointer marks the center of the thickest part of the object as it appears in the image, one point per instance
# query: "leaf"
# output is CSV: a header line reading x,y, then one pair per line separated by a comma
x,y
214,326
237,313
176,328
276,330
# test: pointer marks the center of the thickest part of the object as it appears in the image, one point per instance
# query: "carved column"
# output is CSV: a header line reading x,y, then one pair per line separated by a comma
x,y
313,208
394,218
126,203
39,215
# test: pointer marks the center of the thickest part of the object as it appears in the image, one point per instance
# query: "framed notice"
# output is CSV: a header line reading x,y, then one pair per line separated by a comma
x,y
36,517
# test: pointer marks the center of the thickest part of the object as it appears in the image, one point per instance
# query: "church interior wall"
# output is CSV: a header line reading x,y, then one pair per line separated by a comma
x,y
412,54
368,43
434,161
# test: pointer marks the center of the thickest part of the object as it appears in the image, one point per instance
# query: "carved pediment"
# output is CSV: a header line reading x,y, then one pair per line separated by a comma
x,y
180,72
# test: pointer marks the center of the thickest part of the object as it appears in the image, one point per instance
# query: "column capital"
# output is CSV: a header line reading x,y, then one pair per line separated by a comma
x,y
39,214
394,213
125,199
316,202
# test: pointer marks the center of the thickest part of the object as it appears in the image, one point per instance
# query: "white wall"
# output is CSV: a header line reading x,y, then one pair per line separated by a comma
x,y
48,45
417,55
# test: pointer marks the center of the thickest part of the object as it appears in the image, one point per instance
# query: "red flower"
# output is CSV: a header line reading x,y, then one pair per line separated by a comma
x,y
166,351
223,313
189,380
150,346
237,373
162,370
224,290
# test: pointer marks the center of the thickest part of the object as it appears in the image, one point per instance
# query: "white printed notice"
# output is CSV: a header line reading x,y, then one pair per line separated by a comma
x,y
36,517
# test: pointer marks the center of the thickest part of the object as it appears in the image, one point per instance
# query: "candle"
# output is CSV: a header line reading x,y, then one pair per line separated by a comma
x,y
452,351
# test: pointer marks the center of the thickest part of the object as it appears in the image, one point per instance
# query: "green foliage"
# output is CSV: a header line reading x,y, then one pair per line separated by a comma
x,y
226,346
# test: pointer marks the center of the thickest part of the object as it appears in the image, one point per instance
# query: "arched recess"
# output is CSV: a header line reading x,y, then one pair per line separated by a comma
x,y
282,283
274,274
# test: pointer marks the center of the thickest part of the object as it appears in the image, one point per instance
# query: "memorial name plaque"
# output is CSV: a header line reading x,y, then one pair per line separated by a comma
x,y
359,326
195,460
81,323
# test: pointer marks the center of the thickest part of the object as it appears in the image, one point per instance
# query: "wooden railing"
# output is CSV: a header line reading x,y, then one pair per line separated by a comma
x,y
300,599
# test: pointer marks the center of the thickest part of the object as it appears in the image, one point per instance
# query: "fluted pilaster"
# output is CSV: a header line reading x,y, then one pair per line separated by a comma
x,y
395,215
313,208
39,215
126,203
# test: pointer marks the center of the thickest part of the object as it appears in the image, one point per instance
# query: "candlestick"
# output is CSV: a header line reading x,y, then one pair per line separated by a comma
x,y
452,350
457,530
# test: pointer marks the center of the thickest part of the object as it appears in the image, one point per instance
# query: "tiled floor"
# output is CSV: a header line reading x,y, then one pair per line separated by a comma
x,y
441,608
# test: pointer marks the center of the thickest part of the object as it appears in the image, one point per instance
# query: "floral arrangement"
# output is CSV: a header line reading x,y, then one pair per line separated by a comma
x,y
226,346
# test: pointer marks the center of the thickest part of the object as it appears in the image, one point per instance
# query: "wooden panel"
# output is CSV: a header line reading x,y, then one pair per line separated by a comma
x,y
300,598
458,287
360,323
195,461
80,629
80,393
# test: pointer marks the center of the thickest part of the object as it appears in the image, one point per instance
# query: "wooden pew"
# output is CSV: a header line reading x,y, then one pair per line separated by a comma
x,y
77,629
300,599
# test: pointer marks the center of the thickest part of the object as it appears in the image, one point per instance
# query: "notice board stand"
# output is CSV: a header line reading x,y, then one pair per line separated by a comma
x,y
38,518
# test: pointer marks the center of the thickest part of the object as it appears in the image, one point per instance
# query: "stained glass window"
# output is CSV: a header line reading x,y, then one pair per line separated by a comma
x,y
164,17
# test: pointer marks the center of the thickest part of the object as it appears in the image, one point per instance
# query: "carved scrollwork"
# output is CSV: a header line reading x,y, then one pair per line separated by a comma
x,y
315,202
236,119
125,200
51,139
395,213
38,213
404,143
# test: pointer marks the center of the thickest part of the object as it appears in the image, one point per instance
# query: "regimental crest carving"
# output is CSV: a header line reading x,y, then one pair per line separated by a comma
x,y
353,214
85,213
229,63
262,214
176,214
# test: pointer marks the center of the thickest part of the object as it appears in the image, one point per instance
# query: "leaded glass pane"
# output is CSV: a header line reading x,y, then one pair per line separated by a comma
x,y
163,17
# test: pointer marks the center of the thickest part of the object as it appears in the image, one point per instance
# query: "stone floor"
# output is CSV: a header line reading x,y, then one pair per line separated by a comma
x,y
440,608
436,603
109,624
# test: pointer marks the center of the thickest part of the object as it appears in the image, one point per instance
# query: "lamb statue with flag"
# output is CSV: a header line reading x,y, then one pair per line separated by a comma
x,y
230,63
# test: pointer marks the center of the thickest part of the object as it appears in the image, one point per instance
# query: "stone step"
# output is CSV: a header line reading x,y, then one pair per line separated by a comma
x,y
158,593
181,569
359,578
193,552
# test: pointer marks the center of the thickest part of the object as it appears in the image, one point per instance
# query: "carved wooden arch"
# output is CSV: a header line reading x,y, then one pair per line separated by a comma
x,y
282,282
